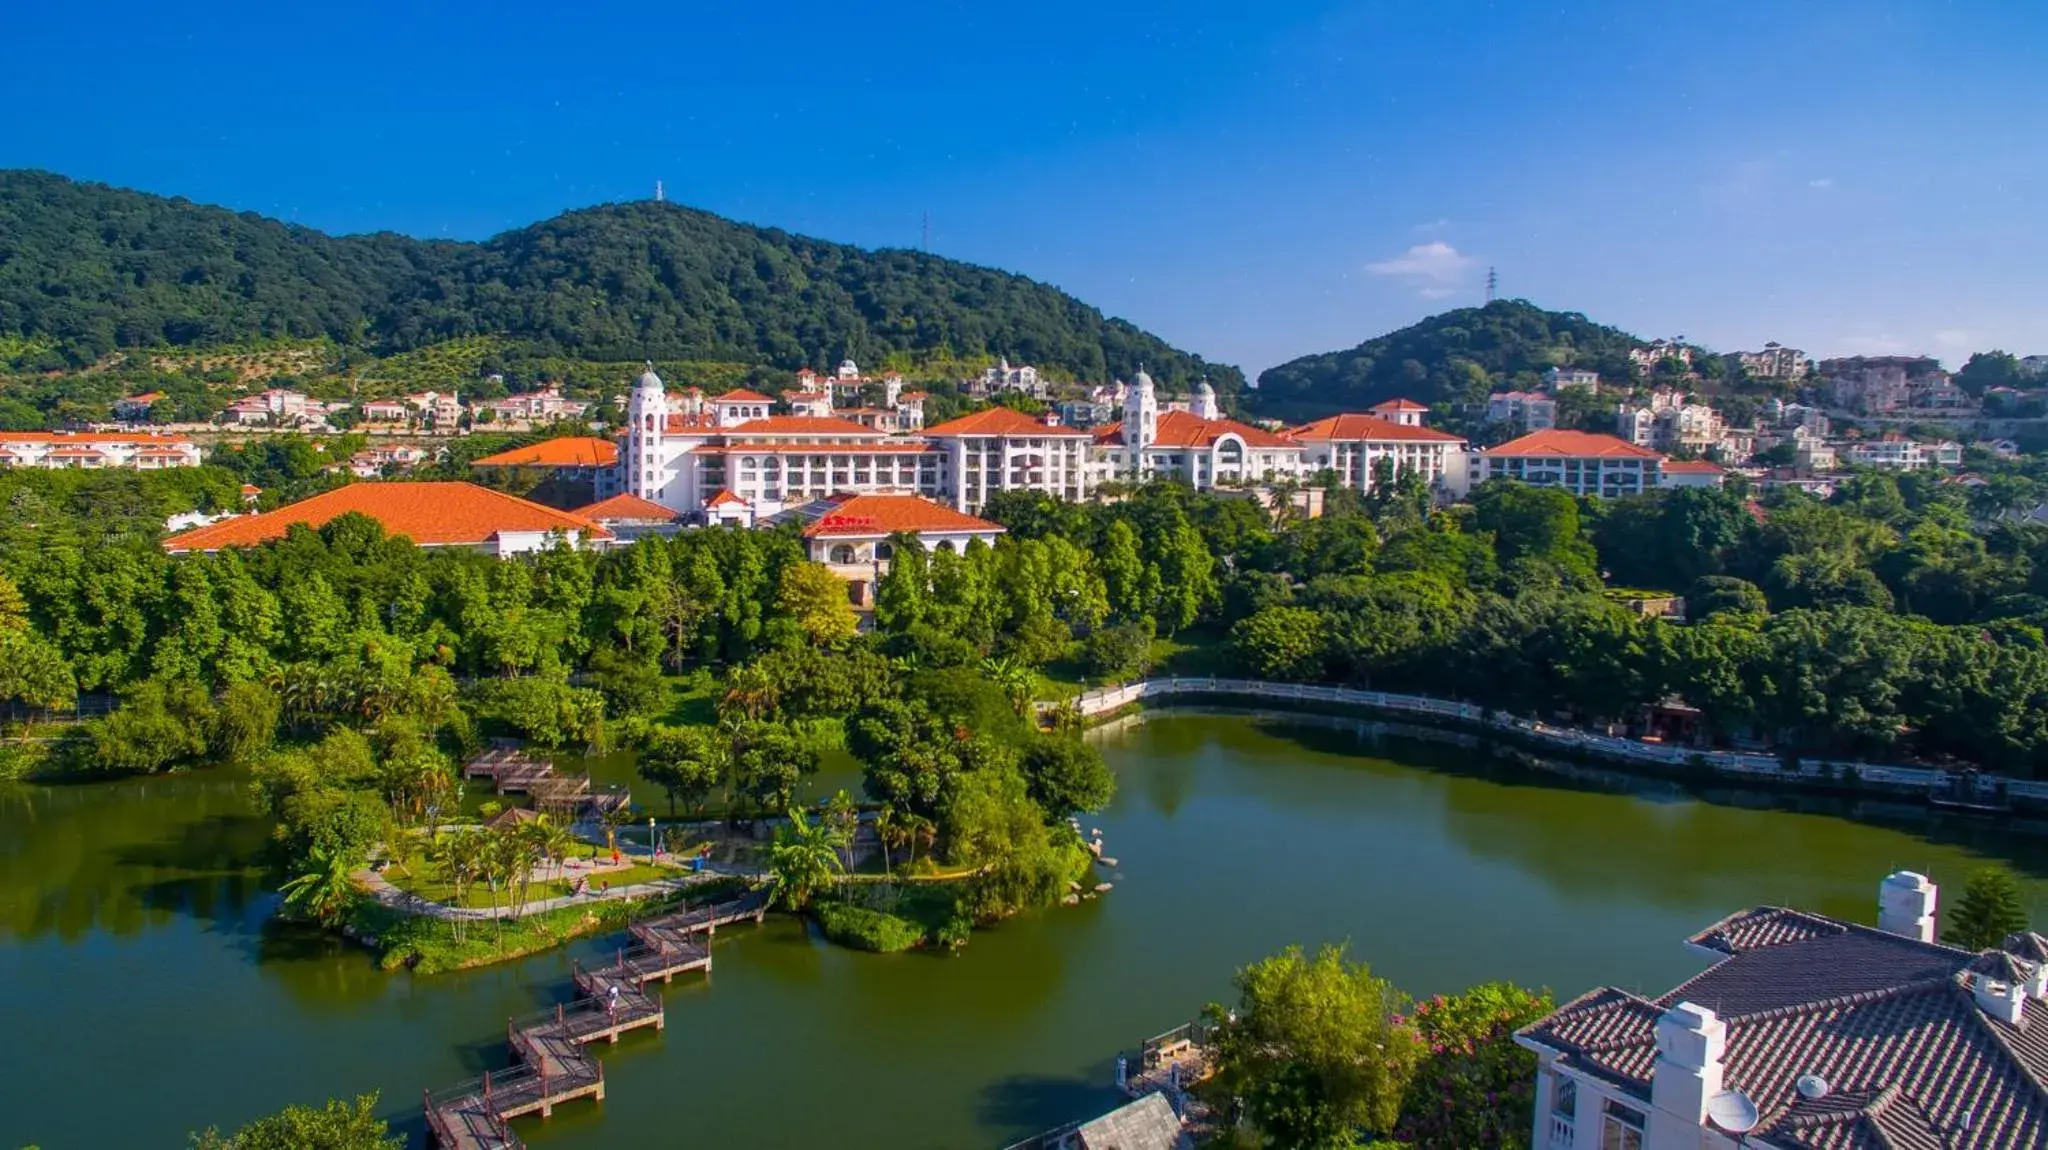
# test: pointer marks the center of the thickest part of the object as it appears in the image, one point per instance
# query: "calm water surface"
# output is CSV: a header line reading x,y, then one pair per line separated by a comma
x,y
145,996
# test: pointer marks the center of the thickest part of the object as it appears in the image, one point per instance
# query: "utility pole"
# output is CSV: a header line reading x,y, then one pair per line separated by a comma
x,y
1492,284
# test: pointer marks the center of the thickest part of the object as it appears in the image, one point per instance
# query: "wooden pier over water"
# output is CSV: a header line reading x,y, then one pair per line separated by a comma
x,y
514,772
554,1066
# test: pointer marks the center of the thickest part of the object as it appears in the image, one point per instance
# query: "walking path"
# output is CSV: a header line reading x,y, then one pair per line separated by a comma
x,y
1954,788
386,894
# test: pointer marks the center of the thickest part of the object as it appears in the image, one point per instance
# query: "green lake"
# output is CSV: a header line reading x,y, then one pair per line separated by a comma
x,y
147,994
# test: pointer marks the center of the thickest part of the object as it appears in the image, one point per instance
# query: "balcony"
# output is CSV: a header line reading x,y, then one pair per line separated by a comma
x,y
1560,1132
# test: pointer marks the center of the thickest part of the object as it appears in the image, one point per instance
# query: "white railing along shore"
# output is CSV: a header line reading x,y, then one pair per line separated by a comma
x,y
1103,700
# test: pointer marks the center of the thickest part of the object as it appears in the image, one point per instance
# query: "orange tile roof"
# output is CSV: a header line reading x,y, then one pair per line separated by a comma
x,y
1399,404
680,422
1186,429
1000,421
873,515
626,508
137,439
742,395
880,446
568,451
1690,467
430,514
802,425
1353,426
724,498
1558,443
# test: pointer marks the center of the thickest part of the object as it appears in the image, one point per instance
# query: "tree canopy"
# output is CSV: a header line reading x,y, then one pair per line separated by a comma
x,y
91,268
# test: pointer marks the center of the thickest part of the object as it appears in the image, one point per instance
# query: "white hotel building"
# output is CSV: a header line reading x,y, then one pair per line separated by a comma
x,y
730,459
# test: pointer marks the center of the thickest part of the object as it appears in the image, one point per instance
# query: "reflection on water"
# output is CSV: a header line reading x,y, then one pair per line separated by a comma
x,y
133,908
124,856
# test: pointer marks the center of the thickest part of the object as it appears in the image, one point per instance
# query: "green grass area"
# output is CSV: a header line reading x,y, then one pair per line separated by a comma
x,y
1191,653
431,886
431,945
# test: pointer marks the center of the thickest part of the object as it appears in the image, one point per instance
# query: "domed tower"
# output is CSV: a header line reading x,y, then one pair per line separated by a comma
x,y
647,414
1205,402
1141,419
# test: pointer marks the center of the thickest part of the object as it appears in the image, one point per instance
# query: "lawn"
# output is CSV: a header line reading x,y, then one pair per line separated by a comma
x,y
431,886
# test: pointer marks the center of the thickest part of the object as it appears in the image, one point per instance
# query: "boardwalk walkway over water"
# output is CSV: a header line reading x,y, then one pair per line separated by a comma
x,y
514,772
554,1066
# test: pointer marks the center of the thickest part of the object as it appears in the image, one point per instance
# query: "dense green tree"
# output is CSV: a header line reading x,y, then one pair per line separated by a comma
x,y
1287,643
1475,1086
1066,776
1314,1049
1990,909
336,1126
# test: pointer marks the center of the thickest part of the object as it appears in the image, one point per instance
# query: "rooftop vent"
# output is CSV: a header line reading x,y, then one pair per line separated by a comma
x,y
1812,1087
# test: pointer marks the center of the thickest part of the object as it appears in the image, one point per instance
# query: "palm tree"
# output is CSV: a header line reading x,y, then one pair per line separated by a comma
x,y
887,828
324,888
614,817
1018,681
556,841
844,818
462,862
919,829
802,858
750,692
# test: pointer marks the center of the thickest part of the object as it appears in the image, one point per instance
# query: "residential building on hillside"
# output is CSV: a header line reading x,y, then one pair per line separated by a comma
x,y
847,385
1693,473
1002,377
385,459
385,411
1004,450
1086,413
277,407
543,406
1527,410
1808,1033
1896,452
441,410
86,451
1581,462
1647,358
1775,361
430,514
1691,427
136,407
815,404
1558,378
1882,385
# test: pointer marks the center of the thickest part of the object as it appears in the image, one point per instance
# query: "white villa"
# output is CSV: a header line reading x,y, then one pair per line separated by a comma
x,y
1809,1033
65,450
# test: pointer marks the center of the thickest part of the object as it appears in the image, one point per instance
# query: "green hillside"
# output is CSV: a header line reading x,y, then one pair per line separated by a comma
x,y
1455,357
87,269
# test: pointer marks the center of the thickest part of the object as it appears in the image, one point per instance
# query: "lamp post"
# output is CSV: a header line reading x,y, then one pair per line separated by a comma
x,y
653,844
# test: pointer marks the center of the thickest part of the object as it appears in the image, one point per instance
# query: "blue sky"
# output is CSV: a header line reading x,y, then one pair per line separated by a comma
x,y
1252,181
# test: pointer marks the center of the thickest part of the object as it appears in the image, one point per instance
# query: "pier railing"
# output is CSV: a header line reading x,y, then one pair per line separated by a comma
x,y
1928,780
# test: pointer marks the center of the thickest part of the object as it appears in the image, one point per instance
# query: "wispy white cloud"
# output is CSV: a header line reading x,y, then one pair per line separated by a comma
x,y
1823,182
1435,225
1436,266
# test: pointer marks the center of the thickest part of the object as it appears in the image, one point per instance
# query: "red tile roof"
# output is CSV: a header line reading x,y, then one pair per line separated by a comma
x,y
873,515
569,451
1001,421
1352,426
803,425
1399,405
724,498
742,395
1556,443
626,509
1690,467
1186,429
430,514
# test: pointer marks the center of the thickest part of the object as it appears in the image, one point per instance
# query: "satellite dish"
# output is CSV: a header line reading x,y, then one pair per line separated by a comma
x,y
1732,1111
1812,1087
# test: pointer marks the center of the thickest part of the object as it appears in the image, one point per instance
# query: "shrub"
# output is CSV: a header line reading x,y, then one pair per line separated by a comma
x,y
864,929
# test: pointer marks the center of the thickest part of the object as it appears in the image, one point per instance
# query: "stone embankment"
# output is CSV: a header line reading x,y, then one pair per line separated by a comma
x,y
1964,789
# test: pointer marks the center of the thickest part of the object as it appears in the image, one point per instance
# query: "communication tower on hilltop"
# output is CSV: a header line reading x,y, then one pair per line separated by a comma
x,y
1492,284
925,242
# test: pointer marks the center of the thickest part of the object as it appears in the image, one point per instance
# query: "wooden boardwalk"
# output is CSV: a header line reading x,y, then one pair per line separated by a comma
x,y
514,772
554,1064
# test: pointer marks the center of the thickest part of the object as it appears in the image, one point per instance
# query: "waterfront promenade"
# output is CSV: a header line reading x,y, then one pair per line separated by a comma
x,y
1954,788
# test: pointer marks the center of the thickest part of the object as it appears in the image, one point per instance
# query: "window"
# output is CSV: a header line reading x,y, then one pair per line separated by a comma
x,y
1564,1096
1622,1129
842,553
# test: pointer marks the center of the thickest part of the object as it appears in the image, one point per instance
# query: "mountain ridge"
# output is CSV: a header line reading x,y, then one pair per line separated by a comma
x,y
90,268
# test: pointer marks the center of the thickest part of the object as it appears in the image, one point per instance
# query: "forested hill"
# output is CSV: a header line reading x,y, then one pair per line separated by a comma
x,y
1454,357
88,268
